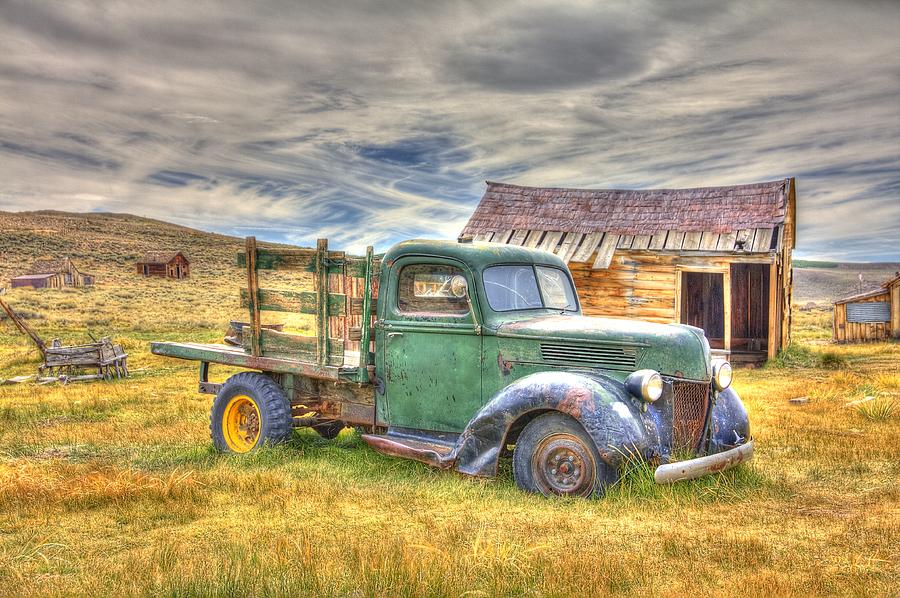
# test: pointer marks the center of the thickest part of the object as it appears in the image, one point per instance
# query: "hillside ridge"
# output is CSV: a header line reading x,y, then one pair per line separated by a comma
x,y
109,243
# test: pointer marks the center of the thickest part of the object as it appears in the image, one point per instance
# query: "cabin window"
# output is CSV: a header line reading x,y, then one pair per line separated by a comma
x,y
869,313
430,289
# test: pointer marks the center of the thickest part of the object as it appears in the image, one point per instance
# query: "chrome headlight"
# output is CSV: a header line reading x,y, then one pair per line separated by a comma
x,y
722,374
645,384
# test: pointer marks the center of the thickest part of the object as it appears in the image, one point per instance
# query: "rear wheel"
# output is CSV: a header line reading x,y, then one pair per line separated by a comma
x,y
555,456
250,410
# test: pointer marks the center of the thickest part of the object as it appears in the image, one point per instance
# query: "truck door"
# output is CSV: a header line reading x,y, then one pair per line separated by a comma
x,y
432,353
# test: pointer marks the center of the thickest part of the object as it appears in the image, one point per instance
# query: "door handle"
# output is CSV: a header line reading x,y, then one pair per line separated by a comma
x,y
393,334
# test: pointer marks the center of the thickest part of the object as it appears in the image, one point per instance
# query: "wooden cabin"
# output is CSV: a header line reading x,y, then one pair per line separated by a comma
x,y
718,258
37,281
871,316
53,274
164,264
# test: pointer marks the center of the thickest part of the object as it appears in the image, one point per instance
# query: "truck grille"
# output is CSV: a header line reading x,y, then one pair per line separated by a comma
x,y
690,402
610,356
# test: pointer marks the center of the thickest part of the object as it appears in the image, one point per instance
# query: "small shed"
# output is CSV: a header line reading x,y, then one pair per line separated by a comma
x,y
871,316
718,258
164,264
54,273
37,281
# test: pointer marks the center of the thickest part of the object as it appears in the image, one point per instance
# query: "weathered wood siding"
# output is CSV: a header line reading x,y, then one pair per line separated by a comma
x,y
894,292
852,332
646,285
639,286
168,270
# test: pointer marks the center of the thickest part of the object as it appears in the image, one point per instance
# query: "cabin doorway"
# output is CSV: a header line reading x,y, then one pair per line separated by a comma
x,y
750,308
703,304
733,306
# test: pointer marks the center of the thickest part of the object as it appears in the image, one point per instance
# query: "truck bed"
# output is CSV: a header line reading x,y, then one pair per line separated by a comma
x,y
236,356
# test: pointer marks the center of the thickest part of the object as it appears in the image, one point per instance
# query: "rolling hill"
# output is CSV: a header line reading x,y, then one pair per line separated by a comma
x,y
109,244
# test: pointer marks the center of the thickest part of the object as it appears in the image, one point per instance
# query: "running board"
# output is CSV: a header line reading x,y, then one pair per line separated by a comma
x,y
435,454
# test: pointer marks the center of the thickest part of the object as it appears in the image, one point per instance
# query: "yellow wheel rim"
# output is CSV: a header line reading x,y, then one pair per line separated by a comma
x,y
240,424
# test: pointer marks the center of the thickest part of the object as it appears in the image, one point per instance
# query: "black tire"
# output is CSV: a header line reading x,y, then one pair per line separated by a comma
x,y
330,429
555,456
271,416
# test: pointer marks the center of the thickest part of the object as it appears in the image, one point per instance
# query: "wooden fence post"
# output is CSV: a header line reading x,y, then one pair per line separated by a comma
x,y
322,301
362,374
253,293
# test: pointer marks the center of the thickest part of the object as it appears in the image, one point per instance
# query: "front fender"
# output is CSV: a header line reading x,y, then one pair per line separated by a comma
x,y
729,422
601,405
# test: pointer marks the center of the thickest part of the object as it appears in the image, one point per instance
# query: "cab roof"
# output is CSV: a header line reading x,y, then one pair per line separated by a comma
x,y
476,254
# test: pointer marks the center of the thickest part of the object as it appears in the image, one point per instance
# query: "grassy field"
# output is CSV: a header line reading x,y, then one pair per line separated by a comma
x,y
113,488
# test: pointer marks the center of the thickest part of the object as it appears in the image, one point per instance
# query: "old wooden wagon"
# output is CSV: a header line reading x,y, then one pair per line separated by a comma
x,y
718,258
91,361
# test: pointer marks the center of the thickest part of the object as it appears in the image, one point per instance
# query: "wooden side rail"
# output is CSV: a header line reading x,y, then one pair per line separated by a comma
x,y
297,346
330,269
304,260
298,302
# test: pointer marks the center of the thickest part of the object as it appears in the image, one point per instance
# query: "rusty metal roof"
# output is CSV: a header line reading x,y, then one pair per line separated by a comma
x,y
866,295
160,257
34,276
892,281
630,212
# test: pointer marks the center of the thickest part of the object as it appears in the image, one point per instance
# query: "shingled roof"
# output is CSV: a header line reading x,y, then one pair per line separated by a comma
x,y
575,222
630,212
160,257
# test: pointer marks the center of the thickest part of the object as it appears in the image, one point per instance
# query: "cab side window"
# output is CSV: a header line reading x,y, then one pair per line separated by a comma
x,y
430,289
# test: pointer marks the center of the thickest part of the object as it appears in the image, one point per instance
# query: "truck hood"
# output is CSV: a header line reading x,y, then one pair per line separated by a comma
x,y
671,349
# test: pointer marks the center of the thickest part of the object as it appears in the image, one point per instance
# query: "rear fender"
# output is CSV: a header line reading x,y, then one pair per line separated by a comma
x,y
601,405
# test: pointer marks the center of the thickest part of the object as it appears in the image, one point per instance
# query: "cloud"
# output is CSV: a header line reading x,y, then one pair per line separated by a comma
x,y
370,122
549,49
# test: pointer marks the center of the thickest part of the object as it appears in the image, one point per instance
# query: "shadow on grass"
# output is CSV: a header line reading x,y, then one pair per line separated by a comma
x,y
307,456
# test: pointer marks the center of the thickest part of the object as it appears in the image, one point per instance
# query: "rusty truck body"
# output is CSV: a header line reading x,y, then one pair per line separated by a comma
x,y
469,353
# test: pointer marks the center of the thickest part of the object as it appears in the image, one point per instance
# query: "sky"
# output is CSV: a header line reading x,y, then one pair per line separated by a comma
x,y
371,122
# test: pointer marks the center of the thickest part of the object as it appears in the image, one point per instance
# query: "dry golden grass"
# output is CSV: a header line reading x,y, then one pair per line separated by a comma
x,y
113,488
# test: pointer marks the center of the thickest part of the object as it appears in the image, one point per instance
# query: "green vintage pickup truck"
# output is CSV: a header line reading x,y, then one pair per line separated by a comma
x,y
468,353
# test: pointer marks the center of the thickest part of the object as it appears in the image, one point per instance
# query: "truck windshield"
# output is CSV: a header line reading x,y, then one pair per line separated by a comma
x,y
510,288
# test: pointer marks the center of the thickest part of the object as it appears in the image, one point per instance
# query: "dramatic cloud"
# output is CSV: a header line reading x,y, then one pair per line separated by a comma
x,y
377,121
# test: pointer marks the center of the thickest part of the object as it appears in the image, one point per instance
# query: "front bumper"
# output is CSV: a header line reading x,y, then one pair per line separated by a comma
x,y
701,466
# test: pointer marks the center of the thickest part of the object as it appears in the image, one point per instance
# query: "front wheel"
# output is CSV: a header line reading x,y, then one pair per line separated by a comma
x,y
250,410
555,456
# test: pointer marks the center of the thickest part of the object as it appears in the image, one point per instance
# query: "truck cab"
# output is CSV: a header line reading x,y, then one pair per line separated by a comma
x,y
481,351
483,340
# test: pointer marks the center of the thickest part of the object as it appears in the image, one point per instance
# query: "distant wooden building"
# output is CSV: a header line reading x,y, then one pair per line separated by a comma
x,y
53,274
164,264
872,316
718,258
37,281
